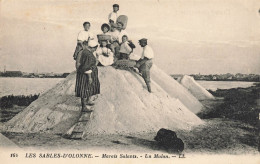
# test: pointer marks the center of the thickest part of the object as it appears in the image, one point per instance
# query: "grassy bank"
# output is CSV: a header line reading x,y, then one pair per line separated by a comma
x,y
237,111
11,100
11,105
238,104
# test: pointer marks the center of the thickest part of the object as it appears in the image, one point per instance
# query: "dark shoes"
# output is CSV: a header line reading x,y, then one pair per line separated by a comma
x,y
149,87
84,104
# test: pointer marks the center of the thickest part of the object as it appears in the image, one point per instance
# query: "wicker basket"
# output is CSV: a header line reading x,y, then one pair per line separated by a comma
x,y
103,37
125,63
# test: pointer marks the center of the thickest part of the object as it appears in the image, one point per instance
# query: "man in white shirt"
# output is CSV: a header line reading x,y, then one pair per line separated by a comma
x,y
84,35
112,17
145,63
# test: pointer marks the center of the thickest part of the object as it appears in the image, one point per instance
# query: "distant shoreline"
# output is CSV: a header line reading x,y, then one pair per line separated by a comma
x,y
230,80
35,77
172,77
222,77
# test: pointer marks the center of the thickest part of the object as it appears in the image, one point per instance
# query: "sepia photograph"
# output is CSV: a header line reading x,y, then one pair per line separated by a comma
x,y
113,81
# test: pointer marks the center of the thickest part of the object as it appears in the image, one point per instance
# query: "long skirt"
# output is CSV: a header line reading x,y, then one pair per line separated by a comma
x,y
85,90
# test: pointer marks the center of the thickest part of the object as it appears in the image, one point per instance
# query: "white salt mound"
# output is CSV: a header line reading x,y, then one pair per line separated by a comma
x,y
175,89
197,90
124,106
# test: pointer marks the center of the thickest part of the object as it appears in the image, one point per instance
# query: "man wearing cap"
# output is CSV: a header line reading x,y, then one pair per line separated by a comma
x,y
145,63
113,15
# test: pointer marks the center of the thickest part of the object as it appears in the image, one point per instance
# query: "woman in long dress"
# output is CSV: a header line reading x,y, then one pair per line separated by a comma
x,y
87,82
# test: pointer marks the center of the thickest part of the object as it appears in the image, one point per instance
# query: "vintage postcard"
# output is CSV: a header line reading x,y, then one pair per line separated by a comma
x,y
113,81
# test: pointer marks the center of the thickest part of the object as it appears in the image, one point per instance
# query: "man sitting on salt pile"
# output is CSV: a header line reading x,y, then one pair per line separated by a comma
x,y
145,63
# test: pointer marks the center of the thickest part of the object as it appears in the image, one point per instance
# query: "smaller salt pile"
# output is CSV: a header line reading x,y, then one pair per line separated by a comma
x,y
195,89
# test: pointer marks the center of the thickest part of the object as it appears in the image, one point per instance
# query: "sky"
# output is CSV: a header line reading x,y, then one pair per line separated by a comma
x,y
187,36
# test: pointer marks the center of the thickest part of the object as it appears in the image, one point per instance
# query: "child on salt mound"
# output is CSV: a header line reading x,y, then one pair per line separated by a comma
x,y
126,48
104,55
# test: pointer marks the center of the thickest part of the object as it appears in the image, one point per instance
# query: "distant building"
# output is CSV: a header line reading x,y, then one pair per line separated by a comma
x,y
230,78
41,75
177,76
50,74
12,74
